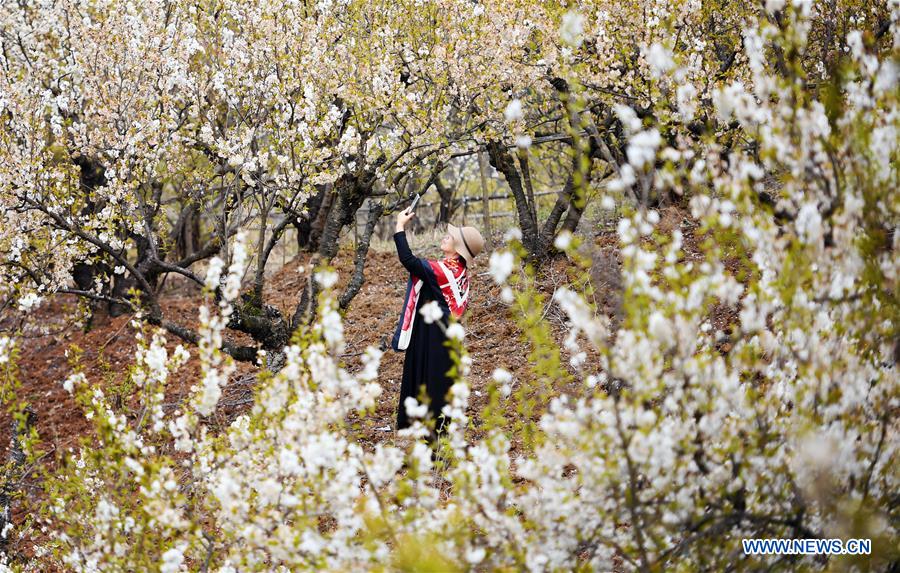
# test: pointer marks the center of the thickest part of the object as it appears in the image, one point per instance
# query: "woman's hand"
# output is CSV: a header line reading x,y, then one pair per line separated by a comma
x,y
402,218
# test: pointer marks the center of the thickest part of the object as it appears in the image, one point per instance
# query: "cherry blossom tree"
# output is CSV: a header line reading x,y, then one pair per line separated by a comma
x,y
778,133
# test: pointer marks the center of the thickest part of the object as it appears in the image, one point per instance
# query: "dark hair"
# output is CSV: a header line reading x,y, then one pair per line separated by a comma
x,y
462,260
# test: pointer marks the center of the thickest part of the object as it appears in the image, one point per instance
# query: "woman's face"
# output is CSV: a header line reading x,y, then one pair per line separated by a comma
x,y
448,245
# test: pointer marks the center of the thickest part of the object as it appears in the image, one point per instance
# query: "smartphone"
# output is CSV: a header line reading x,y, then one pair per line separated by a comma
x,y
413,204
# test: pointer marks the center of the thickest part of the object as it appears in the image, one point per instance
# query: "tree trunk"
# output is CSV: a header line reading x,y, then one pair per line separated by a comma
x,y
186,233
144,265
485,202
19,428
91,175
573,216
350,191
319,220
562,201
304,222
578,197
264,323
349,195
362,249
529,188
502,162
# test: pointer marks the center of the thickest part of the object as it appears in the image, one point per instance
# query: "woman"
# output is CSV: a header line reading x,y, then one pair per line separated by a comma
x,y
447,282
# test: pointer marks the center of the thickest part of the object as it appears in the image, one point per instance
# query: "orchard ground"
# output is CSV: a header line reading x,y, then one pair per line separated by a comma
x,y
493,340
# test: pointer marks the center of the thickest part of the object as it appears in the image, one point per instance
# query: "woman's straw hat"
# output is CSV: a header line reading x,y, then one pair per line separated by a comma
x,y
467,240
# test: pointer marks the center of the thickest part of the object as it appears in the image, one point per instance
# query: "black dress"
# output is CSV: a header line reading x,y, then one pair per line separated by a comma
x,y
427,359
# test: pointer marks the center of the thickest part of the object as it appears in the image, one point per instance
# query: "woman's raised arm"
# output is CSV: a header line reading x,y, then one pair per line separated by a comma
x,y
412,263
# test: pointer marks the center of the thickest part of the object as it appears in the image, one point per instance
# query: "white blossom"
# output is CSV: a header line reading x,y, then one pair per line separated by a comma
x,y
214,272
29,301
326,279
572,28
686,95
501,266
660,59
513,111
563,240
809,224
414,409
475,555
630,121
6,345
523,142
710,371
431,312
660,328
512,234
172,561
642,147
70,381
501,376
456,331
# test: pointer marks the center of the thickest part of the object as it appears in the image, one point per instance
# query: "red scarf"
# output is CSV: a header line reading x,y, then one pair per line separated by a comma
x,y
453,281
